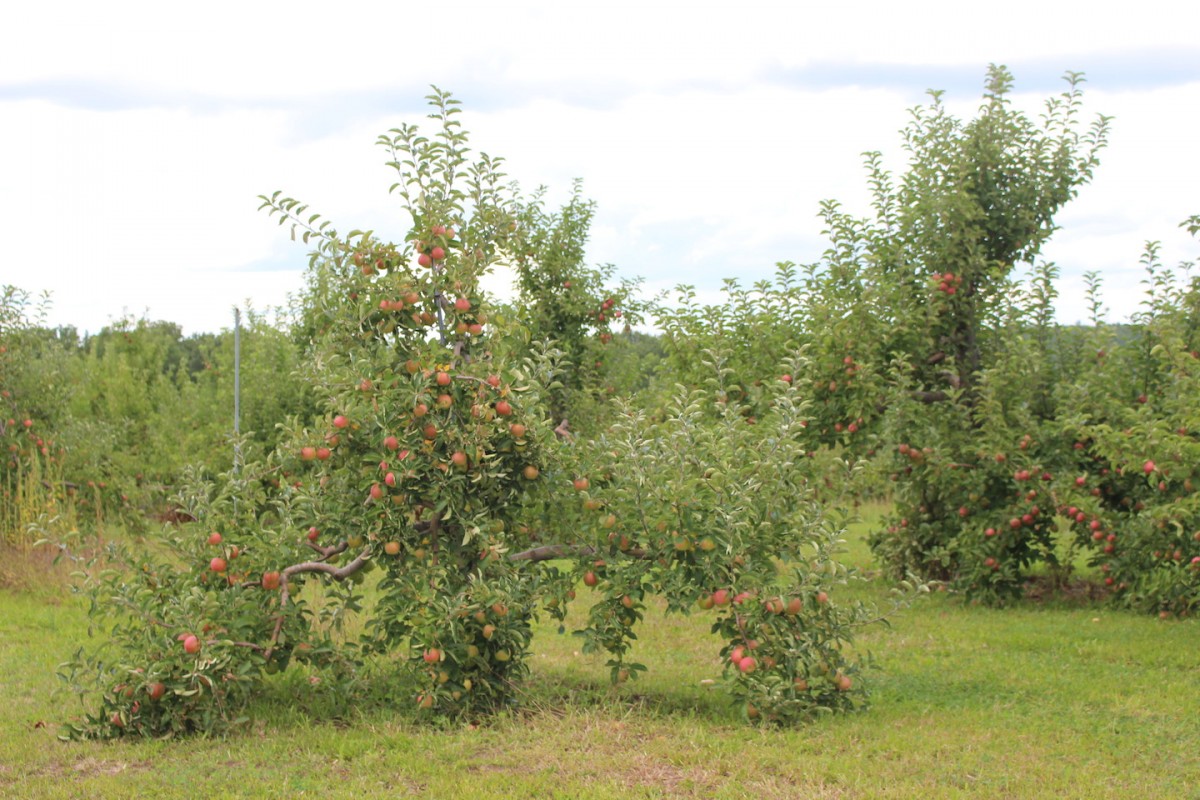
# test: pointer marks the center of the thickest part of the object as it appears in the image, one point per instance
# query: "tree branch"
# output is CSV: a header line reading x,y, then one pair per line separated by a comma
x,y
337,573
552,551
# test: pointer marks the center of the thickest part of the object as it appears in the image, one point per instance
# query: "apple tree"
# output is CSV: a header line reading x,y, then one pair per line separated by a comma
x,y
416,467
1131,502
432,495
970,336
562,299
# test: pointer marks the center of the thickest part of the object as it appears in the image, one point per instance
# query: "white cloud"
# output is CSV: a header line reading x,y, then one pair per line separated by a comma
x,y
137,135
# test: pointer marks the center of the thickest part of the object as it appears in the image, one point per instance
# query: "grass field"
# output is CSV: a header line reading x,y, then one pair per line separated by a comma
x,y
1052,700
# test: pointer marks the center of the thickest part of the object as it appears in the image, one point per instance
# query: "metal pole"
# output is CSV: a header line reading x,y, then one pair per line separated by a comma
x,y
237,387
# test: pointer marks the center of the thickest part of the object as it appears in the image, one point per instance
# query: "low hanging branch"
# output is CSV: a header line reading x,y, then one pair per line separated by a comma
x,y
543,553
337,573
551,551
931,397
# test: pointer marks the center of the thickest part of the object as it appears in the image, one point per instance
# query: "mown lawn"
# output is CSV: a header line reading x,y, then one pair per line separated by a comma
x,y
1042,700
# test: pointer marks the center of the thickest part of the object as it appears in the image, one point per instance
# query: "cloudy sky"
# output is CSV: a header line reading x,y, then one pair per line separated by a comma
x,y
137,136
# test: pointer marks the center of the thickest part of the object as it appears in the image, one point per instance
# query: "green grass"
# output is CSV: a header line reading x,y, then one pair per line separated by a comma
x,y
1041,700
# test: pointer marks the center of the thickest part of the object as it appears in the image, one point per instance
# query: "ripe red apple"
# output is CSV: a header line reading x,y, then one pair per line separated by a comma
x,y
191,644
324,453
503,408
270,580
308,453
822,597
217,565
340,422
391,442
581,484
443,379
462,304
437,254
376,491
432,655
424,260
1148,467
391,548
747,664
721,597
214,538
390,479
313,533
517,430
459,459
590,579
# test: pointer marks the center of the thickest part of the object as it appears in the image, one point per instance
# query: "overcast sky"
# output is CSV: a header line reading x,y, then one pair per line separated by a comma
x,y
137,136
